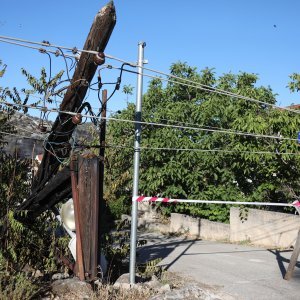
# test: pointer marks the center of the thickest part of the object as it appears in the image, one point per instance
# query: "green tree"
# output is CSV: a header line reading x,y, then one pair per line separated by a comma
x,y
128,91
294,84
242,175
45,85
17,241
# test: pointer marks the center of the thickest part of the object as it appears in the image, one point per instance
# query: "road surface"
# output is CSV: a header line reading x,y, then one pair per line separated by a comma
x,y
242,271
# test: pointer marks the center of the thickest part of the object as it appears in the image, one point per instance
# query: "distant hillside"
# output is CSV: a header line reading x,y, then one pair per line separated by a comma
x,y
31,142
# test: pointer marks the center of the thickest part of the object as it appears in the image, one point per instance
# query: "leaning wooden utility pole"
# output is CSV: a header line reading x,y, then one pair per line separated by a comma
x,y
57,144
294,258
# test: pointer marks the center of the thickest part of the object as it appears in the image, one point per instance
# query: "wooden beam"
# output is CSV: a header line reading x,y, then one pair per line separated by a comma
x,y
58,188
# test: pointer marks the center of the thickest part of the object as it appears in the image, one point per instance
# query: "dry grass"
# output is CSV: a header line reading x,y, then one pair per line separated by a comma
x,y
141,291
107,292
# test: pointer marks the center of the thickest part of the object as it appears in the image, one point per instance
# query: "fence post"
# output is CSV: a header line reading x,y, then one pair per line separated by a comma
x,y
79,254
88,188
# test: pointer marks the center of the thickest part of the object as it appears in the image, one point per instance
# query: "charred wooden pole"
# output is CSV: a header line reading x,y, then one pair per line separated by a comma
x,y
64,126
62,129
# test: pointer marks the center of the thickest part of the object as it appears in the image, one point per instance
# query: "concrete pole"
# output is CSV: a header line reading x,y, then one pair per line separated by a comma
x,y
137,150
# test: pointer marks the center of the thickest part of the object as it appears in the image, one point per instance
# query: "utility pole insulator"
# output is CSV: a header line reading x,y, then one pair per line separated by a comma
x,y
77,119
99,59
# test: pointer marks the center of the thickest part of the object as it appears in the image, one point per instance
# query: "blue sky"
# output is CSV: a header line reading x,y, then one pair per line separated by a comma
x,y
259,37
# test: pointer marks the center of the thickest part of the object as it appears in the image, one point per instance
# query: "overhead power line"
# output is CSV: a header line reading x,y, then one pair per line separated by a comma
x,y
74,49
181,123
217,150
217,91
21,136
149,148
41,50
189,82
45,109
202,129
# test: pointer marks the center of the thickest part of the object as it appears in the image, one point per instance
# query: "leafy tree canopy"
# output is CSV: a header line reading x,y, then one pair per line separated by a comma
x,y
294,84
241,174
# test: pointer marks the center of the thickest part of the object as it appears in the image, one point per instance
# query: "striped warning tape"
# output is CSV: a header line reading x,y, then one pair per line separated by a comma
x,y
153,199
295,204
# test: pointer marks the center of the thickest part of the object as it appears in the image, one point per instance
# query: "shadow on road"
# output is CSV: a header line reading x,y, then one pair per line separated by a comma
x,y
162,249
281,260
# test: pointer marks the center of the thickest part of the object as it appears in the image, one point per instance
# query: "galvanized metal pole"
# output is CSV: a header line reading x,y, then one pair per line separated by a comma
x,y
137,150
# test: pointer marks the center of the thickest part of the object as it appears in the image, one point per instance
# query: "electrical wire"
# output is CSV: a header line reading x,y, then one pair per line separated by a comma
x,y
74,49
32,132
201,129
204,87
188,123
216,91
217,150
66,63
223,92
149,148
41,50
195,84
156,124
20,136
22,115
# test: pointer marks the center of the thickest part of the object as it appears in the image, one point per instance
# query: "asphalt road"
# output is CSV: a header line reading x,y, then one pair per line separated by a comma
x,y
242,271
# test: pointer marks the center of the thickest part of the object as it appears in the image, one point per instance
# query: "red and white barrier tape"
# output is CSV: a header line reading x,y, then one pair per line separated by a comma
x,y
295,204
153,199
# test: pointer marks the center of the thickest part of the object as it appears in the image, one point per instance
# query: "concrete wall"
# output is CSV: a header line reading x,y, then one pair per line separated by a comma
x,y
264,228
261,228
205,229
214,230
